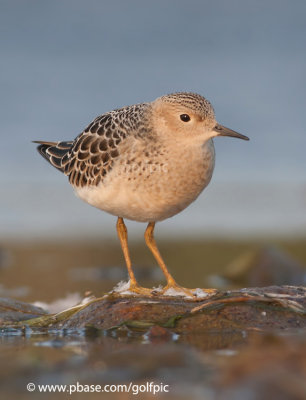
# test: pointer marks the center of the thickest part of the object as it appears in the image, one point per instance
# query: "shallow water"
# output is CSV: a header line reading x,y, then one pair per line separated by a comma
x,y
195,366
70,357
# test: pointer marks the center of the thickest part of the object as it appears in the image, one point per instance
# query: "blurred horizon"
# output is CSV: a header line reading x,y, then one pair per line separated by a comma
x,y
64,63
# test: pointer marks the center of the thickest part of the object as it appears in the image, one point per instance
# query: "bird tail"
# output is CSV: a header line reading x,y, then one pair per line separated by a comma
x,y
54,152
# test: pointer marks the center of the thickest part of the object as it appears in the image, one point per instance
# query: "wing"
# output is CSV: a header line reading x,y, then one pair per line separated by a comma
x,y
88,159
93,152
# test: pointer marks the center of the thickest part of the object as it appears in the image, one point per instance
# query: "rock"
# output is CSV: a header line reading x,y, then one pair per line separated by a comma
x,y
13,310
275,307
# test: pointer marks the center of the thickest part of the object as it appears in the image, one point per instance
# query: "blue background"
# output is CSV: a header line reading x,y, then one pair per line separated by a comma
x,y
65,62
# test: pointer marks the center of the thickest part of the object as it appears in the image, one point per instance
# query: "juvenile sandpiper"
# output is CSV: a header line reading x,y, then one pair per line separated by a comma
x,y
145,162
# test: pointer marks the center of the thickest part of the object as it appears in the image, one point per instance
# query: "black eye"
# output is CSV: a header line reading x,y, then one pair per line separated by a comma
x,y
185,117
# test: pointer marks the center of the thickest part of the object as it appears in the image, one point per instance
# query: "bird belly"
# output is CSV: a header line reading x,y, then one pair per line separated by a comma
x,y
120,201
155,196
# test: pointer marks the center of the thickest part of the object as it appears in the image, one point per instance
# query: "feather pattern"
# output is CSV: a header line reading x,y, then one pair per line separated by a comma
x,y
88,158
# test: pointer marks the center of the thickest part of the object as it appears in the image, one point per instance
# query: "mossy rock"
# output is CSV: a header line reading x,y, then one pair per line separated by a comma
x,y
275,307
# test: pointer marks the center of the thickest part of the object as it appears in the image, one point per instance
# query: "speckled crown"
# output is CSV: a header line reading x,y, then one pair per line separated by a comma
x,y
194,101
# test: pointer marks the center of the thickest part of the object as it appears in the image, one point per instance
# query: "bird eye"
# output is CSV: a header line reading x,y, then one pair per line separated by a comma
x,y
185,117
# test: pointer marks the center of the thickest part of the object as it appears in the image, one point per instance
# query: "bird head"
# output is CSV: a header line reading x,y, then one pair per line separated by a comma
x,y
188,116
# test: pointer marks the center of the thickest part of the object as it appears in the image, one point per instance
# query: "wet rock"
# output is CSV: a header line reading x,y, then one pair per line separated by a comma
x,y
13,310
158,334
275,307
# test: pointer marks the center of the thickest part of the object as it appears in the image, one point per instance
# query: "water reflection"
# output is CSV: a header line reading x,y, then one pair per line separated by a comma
x,y
190,364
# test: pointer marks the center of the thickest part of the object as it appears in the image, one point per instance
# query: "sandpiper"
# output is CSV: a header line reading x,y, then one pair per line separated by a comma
x,y
144,162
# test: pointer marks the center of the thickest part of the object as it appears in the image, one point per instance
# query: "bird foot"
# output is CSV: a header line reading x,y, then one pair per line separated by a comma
x,y
131,287
139,290
171,289
177,290
174,289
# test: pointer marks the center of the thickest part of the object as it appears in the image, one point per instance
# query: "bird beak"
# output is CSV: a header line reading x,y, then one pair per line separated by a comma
x,y
223,131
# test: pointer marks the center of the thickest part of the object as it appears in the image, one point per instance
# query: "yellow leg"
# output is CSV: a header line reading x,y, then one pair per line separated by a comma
x,y
123,237
150,241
